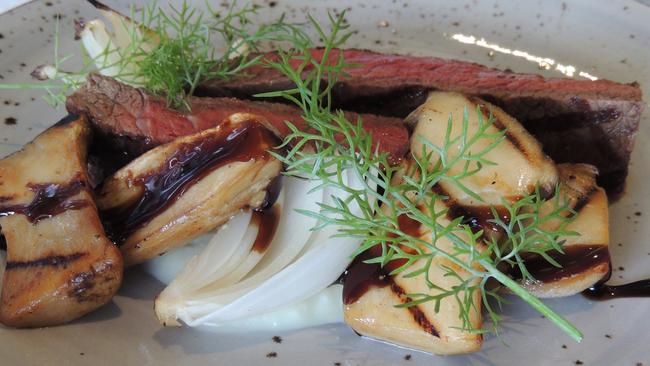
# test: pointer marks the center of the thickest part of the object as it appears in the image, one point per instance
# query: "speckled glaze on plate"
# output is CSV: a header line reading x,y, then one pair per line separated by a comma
x,y
606,39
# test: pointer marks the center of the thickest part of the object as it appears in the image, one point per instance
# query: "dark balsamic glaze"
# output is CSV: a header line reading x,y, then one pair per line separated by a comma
x,y
408,226
106,155
476,217
272,193
49,200
267,223
575,259
361,277
479,217
602,291
189,164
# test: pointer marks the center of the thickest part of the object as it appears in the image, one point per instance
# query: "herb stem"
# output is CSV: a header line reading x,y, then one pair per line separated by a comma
x,y
533,301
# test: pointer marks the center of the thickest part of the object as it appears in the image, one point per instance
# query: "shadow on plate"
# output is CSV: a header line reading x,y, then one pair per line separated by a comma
x,y
195,341
106,312
137,284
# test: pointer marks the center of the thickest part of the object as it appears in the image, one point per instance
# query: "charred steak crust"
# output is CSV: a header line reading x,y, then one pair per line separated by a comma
x,y
576,120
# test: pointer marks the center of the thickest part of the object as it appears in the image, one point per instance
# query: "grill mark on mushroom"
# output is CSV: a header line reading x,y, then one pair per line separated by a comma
x,y
418,314
512,138
529,165
52,260
361,277
476,217
584,199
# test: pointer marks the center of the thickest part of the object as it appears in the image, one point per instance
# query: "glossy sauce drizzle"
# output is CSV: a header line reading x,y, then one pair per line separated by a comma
x,y
603,291
267,223
361,277
191,162
49,200
272,193
575,259
479,217
408,225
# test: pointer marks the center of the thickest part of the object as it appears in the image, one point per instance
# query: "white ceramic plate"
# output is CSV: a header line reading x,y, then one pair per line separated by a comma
x,y
609,39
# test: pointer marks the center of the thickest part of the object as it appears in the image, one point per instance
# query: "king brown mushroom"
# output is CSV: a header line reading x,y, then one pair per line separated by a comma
x,y
371,294
60,265
178,191
585,257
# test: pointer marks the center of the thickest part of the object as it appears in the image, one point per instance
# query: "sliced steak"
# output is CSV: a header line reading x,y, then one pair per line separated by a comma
x,y
135,121
579,121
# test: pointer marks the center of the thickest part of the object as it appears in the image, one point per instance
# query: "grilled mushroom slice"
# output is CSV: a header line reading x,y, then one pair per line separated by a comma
x,y
60,265
585,260
520,162
182,189
371,295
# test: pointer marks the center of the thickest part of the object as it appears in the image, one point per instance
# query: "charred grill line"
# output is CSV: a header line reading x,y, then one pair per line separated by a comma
x,y
476,217
82,286
418,314
512,139
584,199
52,260
361,277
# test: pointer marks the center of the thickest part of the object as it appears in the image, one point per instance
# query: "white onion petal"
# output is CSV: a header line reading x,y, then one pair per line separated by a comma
x,y
323,308
229,284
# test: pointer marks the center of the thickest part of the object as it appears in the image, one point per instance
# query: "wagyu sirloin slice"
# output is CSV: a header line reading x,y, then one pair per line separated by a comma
x,y
137,121
568,116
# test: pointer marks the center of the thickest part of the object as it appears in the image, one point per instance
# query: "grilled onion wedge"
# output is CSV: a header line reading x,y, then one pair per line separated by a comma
x,y
60,264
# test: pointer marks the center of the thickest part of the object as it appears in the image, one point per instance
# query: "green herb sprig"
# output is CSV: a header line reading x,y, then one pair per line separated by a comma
x,y
187,55
170,52
338,145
